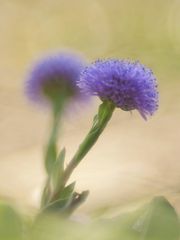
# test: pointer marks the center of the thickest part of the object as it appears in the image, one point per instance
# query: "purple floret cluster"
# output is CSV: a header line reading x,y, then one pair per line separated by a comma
x,y
129,85
56,72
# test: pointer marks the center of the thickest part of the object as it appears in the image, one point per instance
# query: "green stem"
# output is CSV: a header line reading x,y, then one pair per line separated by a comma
x,y
100,121
51,149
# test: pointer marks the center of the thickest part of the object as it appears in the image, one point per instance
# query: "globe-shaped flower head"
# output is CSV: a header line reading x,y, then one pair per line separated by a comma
x,y
128,85
53,79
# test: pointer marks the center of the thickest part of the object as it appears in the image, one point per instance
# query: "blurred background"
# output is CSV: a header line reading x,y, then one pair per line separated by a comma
x,y
133,160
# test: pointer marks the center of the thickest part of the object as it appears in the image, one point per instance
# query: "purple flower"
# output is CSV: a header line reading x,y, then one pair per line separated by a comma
x,y
129,85
54,76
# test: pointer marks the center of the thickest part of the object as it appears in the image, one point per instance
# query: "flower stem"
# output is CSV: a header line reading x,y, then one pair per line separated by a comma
x,y
51,149
99,123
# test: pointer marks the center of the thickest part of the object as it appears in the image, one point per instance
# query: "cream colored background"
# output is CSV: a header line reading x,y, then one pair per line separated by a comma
x,y
133,160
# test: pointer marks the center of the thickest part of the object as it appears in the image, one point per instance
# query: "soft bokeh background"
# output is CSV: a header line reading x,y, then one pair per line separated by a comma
x,y
134,160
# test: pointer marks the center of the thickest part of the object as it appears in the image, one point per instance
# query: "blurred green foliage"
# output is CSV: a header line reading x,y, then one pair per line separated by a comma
x,y
154,221
11,225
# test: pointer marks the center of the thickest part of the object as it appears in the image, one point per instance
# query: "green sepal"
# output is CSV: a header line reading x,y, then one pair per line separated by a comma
x,y
58,170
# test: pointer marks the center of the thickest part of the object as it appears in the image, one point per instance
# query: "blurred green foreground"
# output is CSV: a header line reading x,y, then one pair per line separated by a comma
x,y
154,221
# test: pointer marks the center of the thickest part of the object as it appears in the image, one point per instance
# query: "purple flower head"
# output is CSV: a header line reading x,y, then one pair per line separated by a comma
x,y
54,76
129,85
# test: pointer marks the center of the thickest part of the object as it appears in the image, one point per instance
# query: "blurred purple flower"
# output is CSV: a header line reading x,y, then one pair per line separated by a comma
x,y
53,76
129,85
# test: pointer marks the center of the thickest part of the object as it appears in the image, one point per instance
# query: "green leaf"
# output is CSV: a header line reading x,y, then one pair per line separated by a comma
x,y
68,191
77,200
58,169
159,221
11,226
46,193
64,200
57,206
156,220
